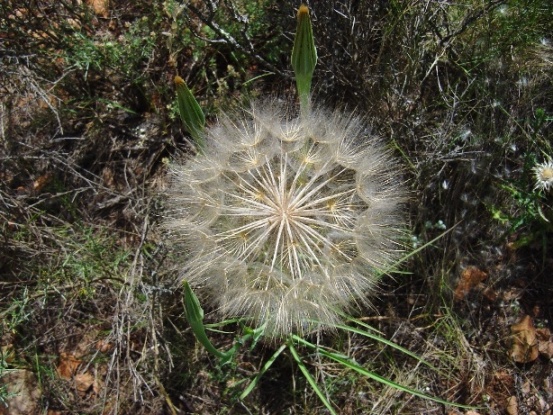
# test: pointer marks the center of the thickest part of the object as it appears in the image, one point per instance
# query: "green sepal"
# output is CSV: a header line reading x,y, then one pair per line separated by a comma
x,y
190,112
304,57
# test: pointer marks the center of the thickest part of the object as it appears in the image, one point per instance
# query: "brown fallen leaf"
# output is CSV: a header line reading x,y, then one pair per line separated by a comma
x,y
545,342
490,294
68,365
84,383
41,182
525,344
100,7
470,278
104,346
512,406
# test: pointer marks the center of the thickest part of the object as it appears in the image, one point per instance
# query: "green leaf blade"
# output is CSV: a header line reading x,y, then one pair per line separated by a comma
x,y
312,382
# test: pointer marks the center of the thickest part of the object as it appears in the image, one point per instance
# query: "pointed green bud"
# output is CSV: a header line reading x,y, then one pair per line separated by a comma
x,y
304,57
190,111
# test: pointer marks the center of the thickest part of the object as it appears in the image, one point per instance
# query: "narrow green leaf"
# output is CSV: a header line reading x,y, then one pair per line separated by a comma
x,y
412,253
195,315
304,57
265,367
361,370
382,340
310,379
349,363
190,111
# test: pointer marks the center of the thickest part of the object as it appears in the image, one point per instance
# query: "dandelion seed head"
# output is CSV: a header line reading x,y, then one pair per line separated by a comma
x,y
544,175
287,221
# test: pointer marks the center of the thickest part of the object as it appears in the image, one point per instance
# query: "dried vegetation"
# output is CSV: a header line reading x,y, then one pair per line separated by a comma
x,y
90,320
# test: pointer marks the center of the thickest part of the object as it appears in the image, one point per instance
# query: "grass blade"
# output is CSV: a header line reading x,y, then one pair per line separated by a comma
x,y
310,379
265,367
349,363
385,341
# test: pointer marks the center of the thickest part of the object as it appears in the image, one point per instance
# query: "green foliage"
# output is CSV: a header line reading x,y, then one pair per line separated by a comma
x,y
528,215
127,56
501,32
18,312
248,21
527,211
91,257
94,255
349,363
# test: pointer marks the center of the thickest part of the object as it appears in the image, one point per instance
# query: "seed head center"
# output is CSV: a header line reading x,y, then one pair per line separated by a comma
x,y
284,212
547,173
